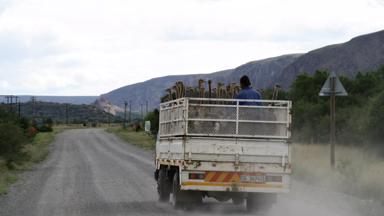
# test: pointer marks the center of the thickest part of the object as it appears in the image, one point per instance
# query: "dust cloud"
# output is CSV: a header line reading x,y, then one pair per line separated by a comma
x,y
303,200
310,200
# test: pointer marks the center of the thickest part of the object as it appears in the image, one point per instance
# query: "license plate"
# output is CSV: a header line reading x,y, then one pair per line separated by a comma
x,y
253,178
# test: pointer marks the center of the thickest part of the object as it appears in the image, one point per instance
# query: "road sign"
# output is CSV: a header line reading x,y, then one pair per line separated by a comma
x,y
332,88
339,89
147,126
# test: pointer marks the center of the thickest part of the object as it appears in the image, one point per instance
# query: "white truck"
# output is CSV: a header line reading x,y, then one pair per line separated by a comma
x,y
225,149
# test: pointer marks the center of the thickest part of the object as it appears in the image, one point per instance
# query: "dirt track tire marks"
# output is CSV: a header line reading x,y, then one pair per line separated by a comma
x,y
89,172
92,172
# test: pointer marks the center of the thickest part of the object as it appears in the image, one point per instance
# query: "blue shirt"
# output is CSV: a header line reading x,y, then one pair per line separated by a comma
x,y
249,93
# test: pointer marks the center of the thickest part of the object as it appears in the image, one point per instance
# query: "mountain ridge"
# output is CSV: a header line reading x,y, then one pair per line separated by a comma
x,y
362,53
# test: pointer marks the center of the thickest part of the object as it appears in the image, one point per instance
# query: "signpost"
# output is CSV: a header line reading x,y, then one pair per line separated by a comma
x,y
332,88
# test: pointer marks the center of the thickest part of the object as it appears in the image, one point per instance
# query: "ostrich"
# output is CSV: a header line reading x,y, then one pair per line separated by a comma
x,y
201,88
214,93
276,90
209,88
169,93
236,90
180,89
228,91
189,91
174,92
232,90
219,90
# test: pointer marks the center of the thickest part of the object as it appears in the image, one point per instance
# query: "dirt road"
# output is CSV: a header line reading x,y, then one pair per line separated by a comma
x,y
92,172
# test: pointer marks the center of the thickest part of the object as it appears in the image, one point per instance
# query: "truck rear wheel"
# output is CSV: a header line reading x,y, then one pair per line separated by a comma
x,y
176,193
184,199
163,185
260,202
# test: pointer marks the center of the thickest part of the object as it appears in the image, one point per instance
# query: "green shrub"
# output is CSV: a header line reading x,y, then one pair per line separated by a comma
x,y
376,119
12,140
153,117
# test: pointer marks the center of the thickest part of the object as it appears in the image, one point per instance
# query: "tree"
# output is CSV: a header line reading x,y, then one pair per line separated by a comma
x,y
375,125
12,138
153,117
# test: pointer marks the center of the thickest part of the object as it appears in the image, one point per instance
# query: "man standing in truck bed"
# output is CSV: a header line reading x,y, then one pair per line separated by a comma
x,y
247,92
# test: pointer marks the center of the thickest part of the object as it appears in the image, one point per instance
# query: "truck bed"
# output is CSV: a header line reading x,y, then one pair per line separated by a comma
x,y
223,145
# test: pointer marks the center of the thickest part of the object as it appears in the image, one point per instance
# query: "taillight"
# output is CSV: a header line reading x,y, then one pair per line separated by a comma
x,y
196,176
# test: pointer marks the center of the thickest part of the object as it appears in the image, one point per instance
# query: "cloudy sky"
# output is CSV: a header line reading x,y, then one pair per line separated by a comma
x,y
90,47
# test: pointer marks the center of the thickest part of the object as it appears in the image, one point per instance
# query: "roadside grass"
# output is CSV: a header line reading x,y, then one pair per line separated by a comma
x,y
358,171
7,177
36,151
140,139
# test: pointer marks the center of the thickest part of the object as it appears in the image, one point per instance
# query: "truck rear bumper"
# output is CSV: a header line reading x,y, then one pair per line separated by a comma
x,y
234,187
235,182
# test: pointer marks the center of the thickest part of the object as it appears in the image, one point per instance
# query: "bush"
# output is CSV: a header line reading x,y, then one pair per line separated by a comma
x,y
376,119
12,140
43,124
153,117
45,128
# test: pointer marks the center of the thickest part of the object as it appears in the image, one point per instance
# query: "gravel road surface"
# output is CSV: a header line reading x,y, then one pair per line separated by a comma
x,y
92,172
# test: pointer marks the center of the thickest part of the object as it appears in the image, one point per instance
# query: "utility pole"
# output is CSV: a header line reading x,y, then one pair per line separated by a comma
x,y
141,110
33,99
10,101
10,105
109,116
146,107
66,114
130,107
125,114
19,109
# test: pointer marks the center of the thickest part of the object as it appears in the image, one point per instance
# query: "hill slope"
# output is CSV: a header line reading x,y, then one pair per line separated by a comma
x,y
262,73
363,53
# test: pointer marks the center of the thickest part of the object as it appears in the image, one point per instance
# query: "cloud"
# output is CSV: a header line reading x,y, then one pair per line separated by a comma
x,y
14,48
91,47
184,34
3,5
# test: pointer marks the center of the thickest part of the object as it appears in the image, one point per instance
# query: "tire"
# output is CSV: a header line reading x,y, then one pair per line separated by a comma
x,y
186,200
237,200
251,202
260,202
177,195
163,185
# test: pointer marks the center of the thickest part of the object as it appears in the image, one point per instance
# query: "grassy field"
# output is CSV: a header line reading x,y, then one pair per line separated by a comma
x,y
141,138
35,151
358,171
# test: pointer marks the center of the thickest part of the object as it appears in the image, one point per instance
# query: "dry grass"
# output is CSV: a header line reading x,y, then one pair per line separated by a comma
x,y
358,171
141,138
6,177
